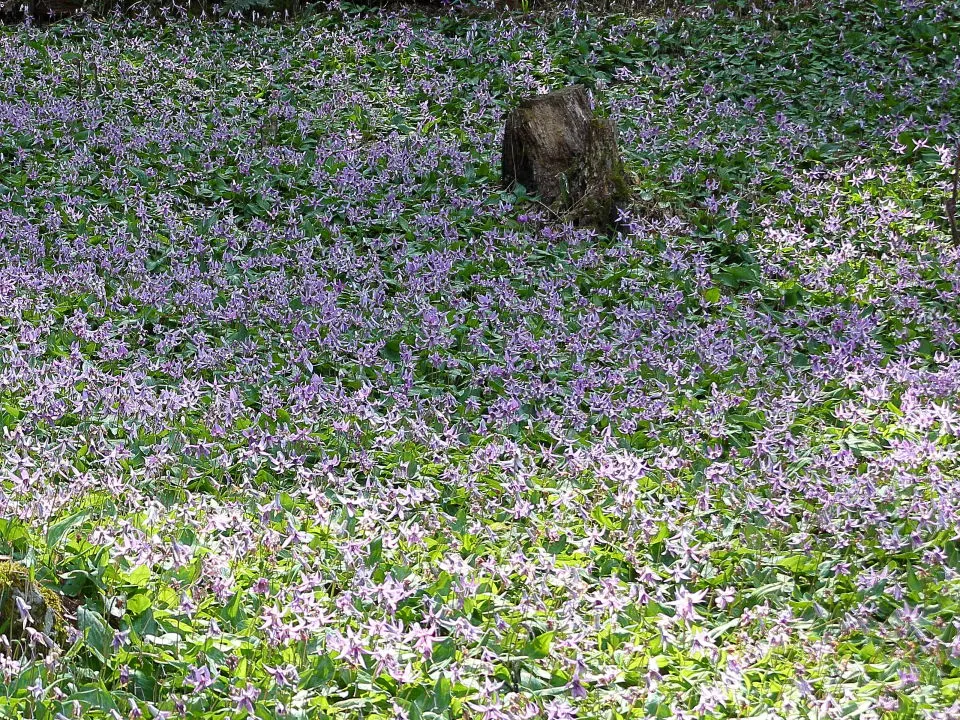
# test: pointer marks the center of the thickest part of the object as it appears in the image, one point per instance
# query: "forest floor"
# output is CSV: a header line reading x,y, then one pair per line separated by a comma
x,y
304,416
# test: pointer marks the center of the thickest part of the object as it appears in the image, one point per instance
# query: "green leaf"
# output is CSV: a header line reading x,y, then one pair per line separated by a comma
x,y
139,576
798,564
57,531
233,612
712,295
95,698
539,647
376,552
138,604
441,694
96,633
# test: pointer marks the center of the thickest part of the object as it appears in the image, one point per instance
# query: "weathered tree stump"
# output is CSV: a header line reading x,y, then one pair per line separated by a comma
x,y
40,11
25,605
556,147
11,10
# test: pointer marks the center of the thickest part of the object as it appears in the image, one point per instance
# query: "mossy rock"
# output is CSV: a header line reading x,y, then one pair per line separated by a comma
x,y
45,607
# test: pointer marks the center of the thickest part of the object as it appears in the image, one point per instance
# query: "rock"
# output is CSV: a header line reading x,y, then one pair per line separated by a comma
x,y
557,148
25,603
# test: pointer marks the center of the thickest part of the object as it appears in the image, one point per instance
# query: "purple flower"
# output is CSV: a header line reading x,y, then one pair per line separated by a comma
x,y
200,678
244,698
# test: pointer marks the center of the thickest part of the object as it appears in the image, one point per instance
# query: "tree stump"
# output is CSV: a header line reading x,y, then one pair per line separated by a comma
x,y
40,11
11,11
26,604
52,10
556,147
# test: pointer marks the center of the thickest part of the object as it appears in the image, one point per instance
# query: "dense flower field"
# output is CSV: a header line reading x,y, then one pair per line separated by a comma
x,y
307,418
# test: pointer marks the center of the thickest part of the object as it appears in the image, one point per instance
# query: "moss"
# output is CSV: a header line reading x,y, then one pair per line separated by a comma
x,y
600,210
622,184
601,182
46,608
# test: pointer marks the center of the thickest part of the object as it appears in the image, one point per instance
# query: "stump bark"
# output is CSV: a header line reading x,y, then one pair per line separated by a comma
x,y
25,603
42,11
556,147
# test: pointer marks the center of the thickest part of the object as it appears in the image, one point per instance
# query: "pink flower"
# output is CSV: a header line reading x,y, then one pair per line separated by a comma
x,y
22,608
684,602
725,597
245,698
201,678
423,639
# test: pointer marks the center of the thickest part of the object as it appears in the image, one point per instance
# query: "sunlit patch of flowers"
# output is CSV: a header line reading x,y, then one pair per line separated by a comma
x,y
305,417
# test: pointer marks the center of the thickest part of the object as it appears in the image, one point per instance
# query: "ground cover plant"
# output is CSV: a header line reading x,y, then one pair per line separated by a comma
x,y
303,416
